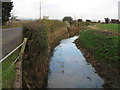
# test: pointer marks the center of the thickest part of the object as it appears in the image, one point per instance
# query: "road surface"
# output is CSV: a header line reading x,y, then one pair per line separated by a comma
x,y
11,38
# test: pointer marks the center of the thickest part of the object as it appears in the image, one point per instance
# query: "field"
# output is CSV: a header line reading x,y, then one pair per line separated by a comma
x,y
110,27
16,24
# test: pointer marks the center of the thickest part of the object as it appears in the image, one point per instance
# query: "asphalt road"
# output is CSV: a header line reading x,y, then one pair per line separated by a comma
x,y
11,38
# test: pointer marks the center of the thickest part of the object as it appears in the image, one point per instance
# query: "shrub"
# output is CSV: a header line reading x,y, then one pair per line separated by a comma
x,y
37,36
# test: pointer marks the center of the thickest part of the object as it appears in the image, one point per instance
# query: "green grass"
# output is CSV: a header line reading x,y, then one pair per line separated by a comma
x,y
104,47
8,75
111,27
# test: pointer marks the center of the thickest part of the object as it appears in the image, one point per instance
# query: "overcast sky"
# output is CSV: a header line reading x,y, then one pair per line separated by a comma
x,y
57,9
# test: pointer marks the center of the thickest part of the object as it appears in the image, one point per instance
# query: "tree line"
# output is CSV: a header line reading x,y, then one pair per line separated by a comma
x,y
107,20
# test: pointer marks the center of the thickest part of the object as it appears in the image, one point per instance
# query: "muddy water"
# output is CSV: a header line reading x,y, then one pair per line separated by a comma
x,y
69,68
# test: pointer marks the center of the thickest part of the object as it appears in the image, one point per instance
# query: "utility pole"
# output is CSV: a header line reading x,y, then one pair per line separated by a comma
x,y
40,10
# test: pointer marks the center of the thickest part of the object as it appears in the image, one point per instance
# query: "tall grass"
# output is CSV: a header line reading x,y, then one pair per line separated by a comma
x,y
53,25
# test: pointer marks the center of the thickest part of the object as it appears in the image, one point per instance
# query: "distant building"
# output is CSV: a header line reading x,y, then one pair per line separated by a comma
x,y
45,17
115,21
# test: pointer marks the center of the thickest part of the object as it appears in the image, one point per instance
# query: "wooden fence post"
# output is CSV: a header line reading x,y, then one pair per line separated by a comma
x,y
20,60
23,47
18,81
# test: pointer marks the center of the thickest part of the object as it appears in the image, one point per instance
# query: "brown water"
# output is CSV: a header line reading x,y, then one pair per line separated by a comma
x,y
69,68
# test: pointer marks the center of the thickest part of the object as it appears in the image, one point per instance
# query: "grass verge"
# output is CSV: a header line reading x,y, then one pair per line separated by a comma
x,y
8,75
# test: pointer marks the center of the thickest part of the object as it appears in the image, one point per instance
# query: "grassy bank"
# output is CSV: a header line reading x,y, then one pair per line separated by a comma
x,y
8,74
103,51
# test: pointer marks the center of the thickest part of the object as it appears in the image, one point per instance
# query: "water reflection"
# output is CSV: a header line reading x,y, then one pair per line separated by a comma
x,y
69,69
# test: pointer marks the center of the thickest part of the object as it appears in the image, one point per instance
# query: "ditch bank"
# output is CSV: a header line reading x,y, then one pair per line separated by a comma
x,y
101,51
42,37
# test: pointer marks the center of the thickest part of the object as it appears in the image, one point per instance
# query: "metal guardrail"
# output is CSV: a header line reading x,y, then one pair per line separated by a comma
x,y
11,52
23,44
